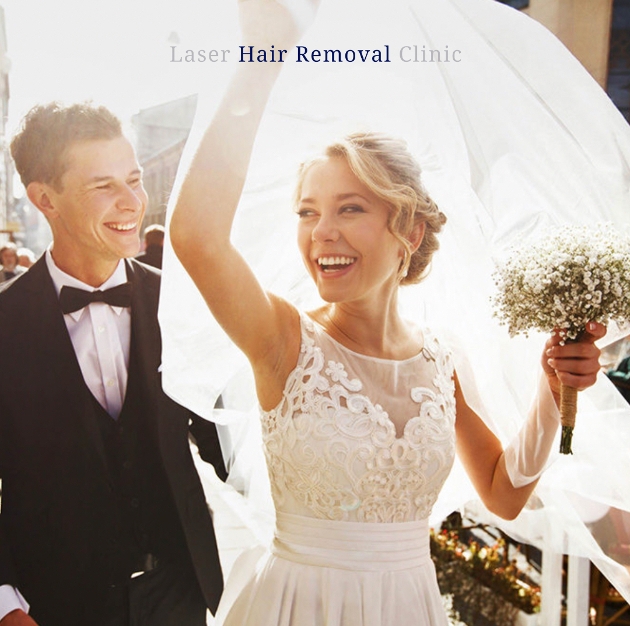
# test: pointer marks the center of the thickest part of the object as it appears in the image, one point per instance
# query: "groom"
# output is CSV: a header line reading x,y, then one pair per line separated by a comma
x,y
103,520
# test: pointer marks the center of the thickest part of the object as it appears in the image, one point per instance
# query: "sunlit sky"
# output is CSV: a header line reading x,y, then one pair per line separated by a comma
x,y
115,52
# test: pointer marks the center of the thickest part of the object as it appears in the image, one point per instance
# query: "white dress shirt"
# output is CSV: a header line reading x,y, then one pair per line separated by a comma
x,y
101,335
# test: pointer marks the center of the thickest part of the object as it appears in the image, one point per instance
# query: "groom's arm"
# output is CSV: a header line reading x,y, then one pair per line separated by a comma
x,y
13,607
204,435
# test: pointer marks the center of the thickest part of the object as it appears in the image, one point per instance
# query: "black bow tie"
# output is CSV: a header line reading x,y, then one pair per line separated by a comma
x,y
72,299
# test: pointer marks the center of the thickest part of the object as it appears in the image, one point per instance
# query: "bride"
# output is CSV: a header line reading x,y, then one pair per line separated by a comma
x,y
362,411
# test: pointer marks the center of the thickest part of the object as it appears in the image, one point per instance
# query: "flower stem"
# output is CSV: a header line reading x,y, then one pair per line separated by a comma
x,y
566,439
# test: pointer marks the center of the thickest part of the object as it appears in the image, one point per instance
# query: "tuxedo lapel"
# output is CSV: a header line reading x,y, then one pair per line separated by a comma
x,y
171,420
145,331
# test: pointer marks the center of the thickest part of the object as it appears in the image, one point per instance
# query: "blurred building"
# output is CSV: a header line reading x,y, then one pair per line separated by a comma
x,y
597,32
516,4
584,28
34,232
8,223
618,83
161,132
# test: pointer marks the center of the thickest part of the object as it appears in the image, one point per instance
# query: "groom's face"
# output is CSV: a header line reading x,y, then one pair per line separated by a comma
x,y
97,211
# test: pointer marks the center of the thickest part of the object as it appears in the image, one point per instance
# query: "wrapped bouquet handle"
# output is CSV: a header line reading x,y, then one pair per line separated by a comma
x,y
572,276
568,413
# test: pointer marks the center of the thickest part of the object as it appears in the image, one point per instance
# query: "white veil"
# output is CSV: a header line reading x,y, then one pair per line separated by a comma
x,y
513,139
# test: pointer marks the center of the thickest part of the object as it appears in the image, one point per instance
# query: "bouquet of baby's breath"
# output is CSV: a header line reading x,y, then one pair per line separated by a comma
x,y
576,275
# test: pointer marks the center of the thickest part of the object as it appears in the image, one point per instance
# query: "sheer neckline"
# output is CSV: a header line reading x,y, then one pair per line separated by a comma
x,y
422,352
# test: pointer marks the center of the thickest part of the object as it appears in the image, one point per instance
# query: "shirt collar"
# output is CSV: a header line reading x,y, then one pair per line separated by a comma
x,y
61,279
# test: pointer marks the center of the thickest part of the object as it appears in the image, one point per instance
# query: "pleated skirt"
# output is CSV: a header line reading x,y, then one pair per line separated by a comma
x,y
330,573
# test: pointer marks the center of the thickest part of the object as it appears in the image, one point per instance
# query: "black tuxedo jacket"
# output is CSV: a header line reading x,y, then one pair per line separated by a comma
x,y
56,490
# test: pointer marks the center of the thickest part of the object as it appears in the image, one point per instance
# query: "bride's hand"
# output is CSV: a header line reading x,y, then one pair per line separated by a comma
x,y
280,23
575,364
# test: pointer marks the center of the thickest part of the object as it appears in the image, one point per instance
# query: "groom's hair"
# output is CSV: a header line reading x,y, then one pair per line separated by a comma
x,y
40,147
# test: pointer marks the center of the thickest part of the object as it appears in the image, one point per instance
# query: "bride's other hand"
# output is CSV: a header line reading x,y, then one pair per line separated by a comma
x,y
506,480
273,22
575,364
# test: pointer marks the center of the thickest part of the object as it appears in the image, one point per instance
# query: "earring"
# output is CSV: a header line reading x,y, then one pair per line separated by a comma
x,y
404,264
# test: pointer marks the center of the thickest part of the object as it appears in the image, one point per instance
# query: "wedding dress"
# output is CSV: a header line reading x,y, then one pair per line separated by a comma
x,y
352,495
513,140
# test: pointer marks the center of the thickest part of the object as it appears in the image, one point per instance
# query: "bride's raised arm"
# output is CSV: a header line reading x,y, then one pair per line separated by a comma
x,y
204,212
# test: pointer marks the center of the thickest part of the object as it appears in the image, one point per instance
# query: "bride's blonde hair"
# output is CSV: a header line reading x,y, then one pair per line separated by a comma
x,y
386,167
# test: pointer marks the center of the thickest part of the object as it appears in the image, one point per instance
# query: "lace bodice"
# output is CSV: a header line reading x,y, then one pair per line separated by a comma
x,y
331,445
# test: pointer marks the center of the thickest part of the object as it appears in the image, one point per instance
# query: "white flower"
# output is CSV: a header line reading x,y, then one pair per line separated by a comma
x,y
571,277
